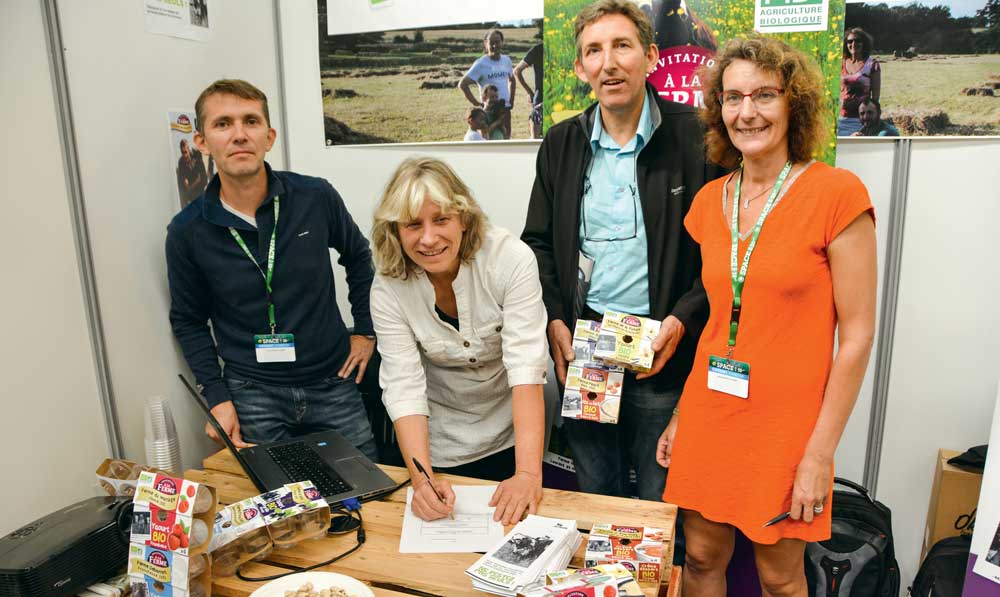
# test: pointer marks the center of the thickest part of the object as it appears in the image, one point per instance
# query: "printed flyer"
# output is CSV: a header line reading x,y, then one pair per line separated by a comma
x,y
186,19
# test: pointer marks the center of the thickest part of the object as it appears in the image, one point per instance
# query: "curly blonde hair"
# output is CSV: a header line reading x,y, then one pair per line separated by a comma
x,y
803,85
413,181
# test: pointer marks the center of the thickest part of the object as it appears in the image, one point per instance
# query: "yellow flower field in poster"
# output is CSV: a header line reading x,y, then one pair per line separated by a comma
x,y
688,32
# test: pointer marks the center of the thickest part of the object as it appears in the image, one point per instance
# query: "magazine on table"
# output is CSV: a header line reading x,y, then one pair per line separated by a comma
x,y
535,546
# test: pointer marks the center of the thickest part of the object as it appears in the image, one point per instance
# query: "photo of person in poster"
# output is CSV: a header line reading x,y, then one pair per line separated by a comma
x,y
191,175
417,85
199,13
872,125
493,72
533,59
934,68
860,80
191,169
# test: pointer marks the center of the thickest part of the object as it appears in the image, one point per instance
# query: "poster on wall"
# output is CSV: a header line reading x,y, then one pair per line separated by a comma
x,y
192,169
398,71
187,19
688,33
983,574
932,66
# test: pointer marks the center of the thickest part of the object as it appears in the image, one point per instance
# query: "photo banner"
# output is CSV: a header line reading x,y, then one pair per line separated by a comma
x,y
937,65
395,71
688,33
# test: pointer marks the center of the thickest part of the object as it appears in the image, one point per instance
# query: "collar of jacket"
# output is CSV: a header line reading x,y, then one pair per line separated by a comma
x,y
213,211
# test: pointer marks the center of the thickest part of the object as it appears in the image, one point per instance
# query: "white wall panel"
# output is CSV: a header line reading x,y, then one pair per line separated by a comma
x,y
51,429
872,161
944,362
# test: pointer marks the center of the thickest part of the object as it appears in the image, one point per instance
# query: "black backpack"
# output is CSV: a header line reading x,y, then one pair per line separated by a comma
x,y
943,572
858,560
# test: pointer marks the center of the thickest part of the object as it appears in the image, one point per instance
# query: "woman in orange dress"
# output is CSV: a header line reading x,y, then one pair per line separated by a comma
x,y
766,402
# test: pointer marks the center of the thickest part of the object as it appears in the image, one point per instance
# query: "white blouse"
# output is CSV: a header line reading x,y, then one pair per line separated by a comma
x,y
462,379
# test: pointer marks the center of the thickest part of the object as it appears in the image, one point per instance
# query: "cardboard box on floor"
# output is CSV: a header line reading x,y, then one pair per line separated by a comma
x,y
954,497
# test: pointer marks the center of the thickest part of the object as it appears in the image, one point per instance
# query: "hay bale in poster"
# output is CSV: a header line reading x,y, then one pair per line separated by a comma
x,y
985,92
918,122
327,92
338,133
449,84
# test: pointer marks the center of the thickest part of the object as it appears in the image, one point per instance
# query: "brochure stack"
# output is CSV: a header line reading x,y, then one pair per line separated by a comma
x,y
535,547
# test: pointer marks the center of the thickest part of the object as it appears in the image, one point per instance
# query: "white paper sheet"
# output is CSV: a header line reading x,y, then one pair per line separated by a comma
x,y
472,530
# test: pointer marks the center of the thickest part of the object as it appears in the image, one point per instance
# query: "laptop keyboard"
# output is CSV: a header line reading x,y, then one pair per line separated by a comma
x,y
302,463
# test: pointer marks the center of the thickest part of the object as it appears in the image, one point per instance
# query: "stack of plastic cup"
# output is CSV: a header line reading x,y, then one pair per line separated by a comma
x,y
163,450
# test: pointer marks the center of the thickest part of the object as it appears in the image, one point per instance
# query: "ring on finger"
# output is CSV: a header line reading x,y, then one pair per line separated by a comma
x,y
817,508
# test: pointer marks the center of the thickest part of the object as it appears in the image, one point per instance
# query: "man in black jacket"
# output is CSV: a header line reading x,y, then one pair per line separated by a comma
x,y
605,220
252,255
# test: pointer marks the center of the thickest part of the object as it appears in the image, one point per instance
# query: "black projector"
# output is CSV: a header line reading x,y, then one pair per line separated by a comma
x,y
68,550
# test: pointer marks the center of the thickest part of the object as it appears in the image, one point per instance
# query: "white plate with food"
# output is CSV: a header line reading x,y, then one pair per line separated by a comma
x,y
312,584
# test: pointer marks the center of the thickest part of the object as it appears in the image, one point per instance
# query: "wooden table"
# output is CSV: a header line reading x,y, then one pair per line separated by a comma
x,y
392,574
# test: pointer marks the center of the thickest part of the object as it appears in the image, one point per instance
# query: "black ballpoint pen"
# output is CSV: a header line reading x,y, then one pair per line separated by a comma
x,y
778,518
423,472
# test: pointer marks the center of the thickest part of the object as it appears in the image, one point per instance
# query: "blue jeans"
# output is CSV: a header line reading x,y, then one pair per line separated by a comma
x,y
270,413
604,453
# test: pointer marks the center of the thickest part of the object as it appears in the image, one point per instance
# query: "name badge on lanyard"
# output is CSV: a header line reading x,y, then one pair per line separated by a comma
x,y
273,347
729,376
726,374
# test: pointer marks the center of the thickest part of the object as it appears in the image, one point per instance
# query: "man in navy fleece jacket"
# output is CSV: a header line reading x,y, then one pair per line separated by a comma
x,y
251,255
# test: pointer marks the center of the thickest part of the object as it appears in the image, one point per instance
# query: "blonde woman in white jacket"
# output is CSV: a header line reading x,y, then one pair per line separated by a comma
x,y
458,312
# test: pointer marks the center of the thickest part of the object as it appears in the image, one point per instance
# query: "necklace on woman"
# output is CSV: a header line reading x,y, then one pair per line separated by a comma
x,y
858,69
746,202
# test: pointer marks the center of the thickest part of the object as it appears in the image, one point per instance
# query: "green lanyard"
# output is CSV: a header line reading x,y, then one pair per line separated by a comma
x,y
738,278
270,262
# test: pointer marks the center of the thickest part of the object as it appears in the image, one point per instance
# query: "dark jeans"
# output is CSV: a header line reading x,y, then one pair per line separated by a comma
x,y
495,467
270,413
603,453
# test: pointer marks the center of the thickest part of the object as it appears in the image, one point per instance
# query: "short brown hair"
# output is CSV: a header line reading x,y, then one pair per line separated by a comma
x,y
237,87
413,181
803,84
626,8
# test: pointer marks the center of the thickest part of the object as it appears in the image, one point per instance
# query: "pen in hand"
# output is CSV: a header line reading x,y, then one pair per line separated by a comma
x,y
777,519
423,472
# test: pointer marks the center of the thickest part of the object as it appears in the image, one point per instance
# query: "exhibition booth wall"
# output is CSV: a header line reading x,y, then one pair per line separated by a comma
x,y
100,273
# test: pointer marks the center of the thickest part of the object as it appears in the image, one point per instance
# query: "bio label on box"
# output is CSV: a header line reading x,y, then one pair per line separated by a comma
x,y
172,514
593,389
638,549
627,340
